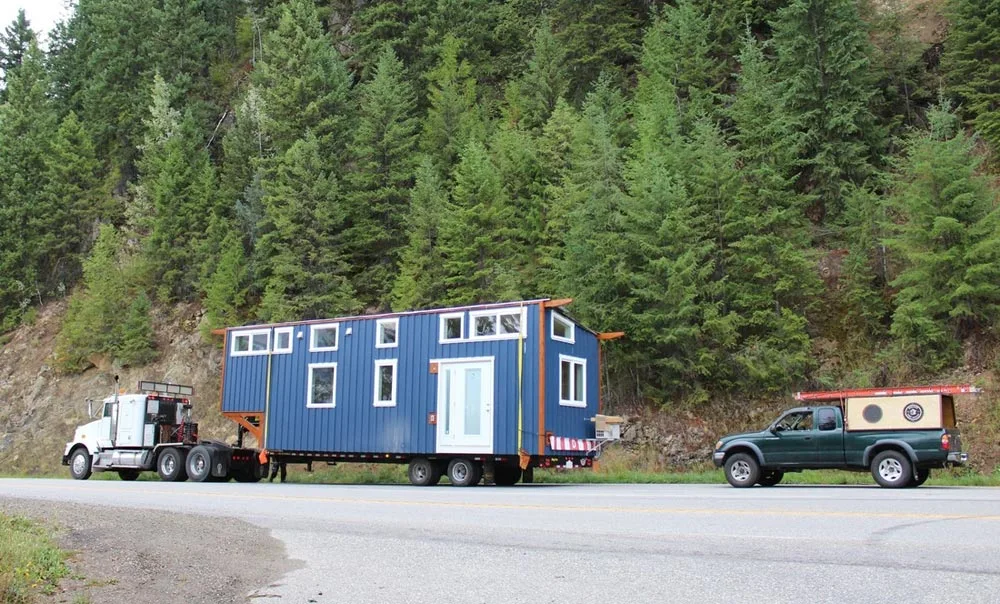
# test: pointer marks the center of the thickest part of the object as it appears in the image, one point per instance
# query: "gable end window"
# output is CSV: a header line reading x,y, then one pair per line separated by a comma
x,y
324,338
572,381
250,342
322,391
387,333
385,383
563,330
452,327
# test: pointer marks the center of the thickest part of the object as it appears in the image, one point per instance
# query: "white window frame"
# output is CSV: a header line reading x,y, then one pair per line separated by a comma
x,y
378,333
312,337
274,340
495,313
565,358
571,325
442,327
309,387
395,380
249,333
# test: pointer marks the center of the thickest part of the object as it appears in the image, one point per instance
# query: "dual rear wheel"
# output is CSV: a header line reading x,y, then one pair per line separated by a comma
x,y
461,472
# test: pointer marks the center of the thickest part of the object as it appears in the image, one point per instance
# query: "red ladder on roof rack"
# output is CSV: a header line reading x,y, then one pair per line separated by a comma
x,y
836,395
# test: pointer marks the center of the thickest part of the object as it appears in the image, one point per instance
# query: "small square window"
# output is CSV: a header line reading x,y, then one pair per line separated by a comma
x,y
452,327
486,326
386,333
282,340
510,323
241,343
324,338
563,329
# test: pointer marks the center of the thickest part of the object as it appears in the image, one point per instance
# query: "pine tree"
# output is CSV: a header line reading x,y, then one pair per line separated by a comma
x,y
421,272
302,259
948,289
15,41
226,288
451,119
385,139
545,81
137,346
971,64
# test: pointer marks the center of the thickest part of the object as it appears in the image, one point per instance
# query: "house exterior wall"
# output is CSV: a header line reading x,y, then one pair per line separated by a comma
x,y
562,419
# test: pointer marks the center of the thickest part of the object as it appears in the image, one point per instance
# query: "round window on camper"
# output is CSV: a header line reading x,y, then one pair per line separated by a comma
x,y
872,414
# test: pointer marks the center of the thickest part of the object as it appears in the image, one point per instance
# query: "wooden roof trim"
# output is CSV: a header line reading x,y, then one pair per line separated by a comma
x,y
557,303
610,335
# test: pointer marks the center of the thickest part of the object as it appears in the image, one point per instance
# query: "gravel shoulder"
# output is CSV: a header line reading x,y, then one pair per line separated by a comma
x,y
121,556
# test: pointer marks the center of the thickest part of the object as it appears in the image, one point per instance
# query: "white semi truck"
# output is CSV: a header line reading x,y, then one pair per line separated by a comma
x,y
153,431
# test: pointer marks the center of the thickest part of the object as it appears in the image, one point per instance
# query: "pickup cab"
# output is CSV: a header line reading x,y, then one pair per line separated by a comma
x,y
898,435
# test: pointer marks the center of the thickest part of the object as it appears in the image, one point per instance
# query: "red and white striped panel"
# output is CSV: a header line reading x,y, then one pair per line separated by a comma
x,y
563,443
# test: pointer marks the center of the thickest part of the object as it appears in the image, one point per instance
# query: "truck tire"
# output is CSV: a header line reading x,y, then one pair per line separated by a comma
x,y
464,472
506,475
770,478
170,465
128,475
423,472
199,464
921,477
892,469
742,470
79,464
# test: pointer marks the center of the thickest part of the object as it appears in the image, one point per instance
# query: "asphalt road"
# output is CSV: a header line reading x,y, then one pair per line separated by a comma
x,y
587,543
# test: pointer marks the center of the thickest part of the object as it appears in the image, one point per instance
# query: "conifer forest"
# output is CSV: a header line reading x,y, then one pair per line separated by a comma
x,y
764,195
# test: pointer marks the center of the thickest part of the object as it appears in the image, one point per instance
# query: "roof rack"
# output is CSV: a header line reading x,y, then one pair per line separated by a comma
x,y
149,387
835,395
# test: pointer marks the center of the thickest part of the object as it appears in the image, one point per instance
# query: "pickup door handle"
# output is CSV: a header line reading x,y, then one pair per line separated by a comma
x,y
808,438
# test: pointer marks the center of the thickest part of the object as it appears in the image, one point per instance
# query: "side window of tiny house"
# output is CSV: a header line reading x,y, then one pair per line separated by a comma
x,y
250,342
322,385
387,333
324,338
452,327
572,381
496,324
563,330
282,340
385,383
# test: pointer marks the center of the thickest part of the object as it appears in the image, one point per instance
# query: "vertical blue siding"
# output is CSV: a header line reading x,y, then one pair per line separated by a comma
x,y
243,386
573,422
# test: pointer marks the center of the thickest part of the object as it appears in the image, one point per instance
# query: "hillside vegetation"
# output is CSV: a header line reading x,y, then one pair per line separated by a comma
x,y
765,195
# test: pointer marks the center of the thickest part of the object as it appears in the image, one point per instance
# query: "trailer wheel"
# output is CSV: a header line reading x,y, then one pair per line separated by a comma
x,y
892,469
528,475
128,475
170,465
506,475
423,472
742,470
199,464
464,472
79,464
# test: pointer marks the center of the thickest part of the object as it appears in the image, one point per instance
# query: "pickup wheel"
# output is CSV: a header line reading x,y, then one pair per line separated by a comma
x,y
79,464
922,475
892,469
170,465
742,470
771,478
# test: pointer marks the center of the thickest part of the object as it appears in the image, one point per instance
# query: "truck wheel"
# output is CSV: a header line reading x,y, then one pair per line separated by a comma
x,y
128,475
199,464
742,470
464,472
506,475
892,469
170,465
423,473
771,478
922,475
79,464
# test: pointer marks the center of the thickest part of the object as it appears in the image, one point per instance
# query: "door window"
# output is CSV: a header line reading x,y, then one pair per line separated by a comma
x,y
799,420
826,419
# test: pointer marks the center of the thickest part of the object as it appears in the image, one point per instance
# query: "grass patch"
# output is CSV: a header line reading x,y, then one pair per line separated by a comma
x,y
349,473
30,563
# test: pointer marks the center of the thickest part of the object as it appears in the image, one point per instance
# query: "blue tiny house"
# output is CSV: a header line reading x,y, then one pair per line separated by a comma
x,y
496,386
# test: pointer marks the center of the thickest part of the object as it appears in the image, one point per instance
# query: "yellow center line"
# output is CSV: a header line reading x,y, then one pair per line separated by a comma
x,y
538,507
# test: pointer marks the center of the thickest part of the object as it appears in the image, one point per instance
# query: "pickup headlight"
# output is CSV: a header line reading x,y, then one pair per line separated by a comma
x,y
718,445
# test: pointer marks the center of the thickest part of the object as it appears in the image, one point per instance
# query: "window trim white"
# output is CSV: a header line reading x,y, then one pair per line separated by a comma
x,y
377,402
274,340
319,327
378,333
442,327
572,329
570,402
309,386
495,313
250,333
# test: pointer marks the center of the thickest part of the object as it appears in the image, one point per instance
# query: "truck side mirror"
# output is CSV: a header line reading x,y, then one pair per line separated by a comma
x,y
90,407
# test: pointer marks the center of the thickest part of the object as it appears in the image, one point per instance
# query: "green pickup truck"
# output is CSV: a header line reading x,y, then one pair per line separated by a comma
x,y
897,434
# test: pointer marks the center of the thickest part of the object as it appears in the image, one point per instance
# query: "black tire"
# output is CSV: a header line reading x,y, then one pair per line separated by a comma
x,y
528,475
423,472
742,470
770,478
464,472
892,469
199,464
170,465
922,475
79,464
506,475
252,474
128,475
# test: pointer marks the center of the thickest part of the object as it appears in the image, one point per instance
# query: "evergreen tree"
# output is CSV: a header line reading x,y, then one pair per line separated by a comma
x,y
137,346
302,259
385,139
451,120
421,272
971,63
226,287
14,43
948,289
545,81
554,157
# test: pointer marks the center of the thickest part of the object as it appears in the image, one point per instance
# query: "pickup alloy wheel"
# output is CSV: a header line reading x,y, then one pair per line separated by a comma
x,y
892,469
742,470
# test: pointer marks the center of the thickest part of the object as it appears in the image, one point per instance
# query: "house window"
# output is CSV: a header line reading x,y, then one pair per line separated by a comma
x,y
324,338
386,333
322,385
452,327
282,340
572,381
385,383
497,324
245,343
563,329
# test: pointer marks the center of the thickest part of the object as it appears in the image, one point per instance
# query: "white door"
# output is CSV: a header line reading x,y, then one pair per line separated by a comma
x,y
465,406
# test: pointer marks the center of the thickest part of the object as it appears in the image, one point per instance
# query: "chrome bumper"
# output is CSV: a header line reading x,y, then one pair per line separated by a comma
x,y
958,458
718,457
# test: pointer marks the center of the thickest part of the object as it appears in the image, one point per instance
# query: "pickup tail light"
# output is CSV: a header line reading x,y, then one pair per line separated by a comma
x,y
945,442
